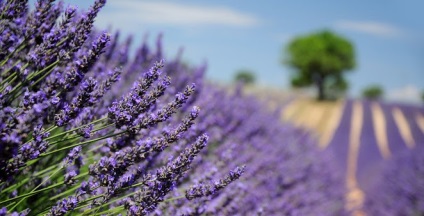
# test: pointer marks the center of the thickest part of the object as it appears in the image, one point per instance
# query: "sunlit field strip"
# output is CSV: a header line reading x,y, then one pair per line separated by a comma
x,y
420,121
299,112
289,111
315,114
332,122
403,126
379,123
355,196
320,117
321,124
304,115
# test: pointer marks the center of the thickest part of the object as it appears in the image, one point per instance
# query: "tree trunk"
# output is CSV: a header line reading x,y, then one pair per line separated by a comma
x,y
320,86
321,95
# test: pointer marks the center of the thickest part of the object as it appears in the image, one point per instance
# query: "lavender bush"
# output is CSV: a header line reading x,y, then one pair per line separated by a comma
x,y
399,190
87,129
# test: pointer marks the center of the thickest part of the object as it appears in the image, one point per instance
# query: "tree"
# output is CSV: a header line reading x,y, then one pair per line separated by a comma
x,y
373,92
320,60
422,96
245,76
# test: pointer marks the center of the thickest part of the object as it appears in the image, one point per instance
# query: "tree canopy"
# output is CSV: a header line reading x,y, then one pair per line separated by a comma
x,y
245,76
320,59
422,96
373,92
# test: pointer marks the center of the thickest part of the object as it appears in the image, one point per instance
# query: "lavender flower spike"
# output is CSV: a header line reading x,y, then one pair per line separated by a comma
x,y
27,152
84,98
85,63
201,190
147,199
63,206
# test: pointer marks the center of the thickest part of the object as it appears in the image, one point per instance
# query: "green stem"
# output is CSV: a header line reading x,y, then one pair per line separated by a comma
x,y
116,199
87,200
64,193
64,139
32,193
19,48
82,143
8,205
44,75
78,207
17,88
13,75
54,173
74,129
108,203
174,198
44,172
119,198
76,135
114,211
71,189
15,186
7,79
71,146
51,66
6,7
53,127
44,189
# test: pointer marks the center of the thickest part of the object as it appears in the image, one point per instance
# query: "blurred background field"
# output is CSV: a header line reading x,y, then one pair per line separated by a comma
x,y
247,35
375,111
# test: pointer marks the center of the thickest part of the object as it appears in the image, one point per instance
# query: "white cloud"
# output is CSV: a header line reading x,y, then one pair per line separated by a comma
x,y
132,12
408,93
370,27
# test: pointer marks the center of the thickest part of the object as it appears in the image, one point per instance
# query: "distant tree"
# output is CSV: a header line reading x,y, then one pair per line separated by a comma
x,y
320,60
245,76
422,96
373,92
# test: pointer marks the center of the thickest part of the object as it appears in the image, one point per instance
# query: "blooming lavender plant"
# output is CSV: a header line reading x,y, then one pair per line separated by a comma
x,y
285,174
69,141
75,139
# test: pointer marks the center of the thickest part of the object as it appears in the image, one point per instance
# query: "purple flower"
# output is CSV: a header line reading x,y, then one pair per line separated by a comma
x,y
63,206
70,177
28,151
85,131
137,102
73,155
85,25
201,190
147,199
85,63
83,99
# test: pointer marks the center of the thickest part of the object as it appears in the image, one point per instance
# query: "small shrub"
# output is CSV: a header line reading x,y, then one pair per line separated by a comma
x,y
374,92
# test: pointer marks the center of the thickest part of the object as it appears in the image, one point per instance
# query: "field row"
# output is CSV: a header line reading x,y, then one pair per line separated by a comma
x,y
361,133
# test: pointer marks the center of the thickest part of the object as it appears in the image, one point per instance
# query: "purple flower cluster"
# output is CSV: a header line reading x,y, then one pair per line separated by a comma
x,y
75,138
202,190
285,173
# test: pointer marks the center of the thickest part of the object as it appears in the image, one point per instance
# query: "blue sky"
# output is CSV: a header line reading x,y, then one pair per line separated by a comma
x,y
248,34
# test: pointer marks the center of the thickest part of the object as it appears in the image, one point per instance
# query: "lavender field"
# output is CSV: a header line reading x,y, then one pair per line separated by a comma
x,y
92,123
366,137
